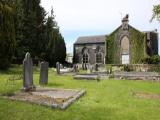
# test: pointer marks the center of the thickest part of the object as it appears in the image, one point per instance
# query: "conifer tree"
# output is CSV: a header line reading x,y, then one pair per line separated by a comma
x,y
7,33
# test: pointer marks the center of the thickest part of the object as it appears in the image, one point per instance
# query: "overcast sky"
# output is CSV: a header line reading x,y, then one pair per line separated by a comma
x,y
98,17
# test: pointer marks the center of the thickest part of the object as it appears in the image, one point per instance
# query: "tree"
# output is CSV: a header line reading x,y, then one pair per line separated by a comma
x,y
23,24
156,12
7,33
55,47
30,28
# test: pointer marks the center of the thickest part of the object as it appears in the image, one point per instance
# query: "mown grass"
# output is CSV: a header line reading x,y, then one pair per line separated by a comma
x,y
104,100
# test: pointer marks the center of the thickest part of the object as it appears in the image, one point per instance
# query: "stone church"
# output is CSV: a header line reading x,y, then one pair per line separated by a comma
x,y
125,45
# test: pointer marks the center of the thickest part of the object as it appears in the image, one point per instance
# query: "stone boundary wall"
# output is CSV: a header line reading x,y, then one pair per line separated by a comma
x,y
135,67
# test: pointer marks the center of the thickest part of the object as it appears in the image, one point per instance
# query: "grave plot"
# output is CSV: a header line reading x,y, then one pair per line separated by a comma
x,y
137,75
54,98
91,76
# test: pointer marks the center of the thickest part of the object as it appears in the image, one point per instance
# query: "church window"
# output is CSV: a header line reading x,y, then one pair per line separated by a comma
x,y
85,58
99,57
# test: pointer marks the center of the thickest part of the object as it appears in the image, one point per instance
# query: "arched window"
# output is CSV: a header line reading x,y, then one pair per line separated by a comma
x,y
85,58
99,57
125,50
125,45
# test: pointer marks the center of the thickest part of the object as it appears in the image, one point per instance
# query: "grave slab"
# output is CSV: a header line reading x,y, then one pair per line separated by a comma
x,y
54,98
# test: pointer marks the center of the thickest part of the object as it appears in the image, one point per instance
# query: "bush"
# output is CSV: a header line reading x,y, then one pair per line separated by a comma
x,y
128,68
151,60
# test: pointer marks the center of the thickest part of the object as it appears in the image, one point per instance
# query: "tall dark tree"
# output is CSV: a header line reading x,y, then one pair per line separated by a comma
x,y
55,47
23,24
7,33
30,28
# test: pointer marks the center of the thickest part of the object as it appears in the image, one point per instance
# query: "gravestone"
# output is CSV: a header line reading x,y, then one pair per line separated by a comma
x,y
96,67
91,68
58,68
88,68
43,80
75,68
28,73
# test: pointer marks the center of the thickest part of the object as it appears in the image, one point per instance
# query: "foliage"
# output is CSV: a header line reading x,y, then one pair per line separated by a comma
x,y
137,45
7,33
104,100
156,12
111,49
109,68
127,68
151,60
30,28
23,24
56,49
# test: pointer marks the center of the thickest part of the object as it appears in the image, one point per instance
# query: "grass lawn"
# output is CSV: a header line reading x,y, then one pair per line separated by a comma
x,y
104,100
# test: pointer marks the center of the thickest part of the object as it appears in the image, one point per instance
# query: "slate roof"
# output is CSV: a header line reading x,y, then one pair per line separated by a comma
x,y
91,39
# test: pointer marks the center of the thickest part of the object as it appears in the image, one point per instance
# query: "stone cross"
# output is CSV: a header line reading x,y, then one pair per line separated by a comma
x,y
43,80
28,73
58,68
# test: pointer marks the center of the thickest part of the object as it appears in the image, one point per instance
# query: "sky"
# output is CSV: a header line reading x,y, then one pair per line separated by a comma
x,y
99,17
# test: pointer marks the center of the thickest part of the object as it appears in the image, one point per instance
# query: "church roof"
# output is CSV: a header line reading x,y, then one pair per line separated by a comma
x,y
91,39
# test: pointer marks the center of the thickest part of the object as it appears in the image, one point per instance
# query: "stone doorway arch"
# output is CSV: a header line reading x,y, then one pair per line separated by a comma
x,y
125,45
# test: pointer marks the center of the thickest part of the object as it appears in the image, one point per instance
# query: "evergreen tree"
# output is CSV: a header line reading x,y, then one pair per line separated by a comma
x,y
56,49
30,28
7,33
23,23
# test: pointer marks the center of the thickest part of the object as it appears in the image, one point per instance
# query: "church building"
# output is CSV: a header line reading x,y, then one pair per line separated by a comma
x,y
125,45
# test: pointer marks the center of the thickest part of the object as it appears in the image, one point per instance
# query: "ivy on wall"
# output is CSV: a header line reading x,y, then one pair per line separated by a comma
x,y
137,47
111,48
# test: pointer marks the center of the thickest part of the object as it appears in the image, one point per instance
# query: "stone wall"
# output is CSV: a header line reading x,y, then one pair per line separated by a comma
x,y
91,50
136,67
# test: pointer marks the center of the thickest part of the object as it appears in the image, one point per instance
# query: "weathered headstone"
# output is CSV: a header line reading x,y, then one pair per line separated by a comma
x,y
58,68
91,68
96,67
75,68
88,68
61,66
28,73
43,80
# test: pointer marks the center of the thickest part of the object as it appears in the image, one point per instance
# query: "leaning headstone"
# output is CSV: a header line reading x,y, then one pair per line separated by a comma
x,y
58,68
43,80
28,73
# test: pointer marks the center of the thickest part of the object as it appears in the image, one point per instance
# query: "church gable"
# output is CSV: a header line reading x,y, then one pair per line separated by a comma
x,y
122,44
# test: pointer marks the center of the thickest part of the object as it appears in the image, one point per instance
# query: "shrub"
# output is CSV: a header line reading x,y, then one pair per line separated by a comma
x,y
151,60
128,68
